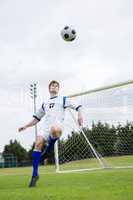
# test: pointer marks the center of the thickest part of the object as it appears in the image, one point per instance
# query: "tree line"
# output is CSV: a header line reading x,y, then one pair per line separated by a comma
x,y
107,140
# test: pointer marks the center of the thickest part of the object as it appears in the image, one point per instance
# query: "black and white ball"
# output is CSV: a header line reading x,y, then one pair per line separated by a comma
x,y
68,33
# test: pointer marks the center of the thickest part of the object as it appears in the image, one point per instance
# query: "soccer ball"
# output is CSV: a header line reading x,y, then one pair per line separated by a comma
x,y
68,33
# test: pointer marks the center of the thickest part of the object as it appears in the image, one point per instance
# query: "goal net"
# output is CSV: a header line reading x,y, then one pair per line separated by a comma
x,y
106,140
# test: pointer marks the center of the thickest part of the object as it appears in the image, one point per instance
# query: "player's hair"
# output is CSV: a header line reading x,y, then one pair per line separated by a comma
x,y
53,82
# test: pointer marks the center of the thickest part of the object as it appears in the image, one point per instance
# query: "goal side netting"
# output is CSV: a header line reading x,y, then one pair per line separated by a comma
x,y
106,140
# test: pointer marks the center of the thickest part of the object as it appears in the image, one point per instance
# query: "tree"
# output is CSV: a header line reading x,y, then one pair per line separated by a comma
x,y
124,143
15,148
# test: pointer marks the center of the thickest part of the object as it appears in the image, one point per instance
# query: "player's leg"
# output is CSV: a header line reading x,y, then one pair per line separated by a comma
x,y
36,154
55,133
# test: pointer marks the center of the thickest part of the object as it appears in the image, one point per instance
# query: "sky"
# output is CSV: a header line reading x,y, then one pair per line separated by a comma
x,y
32,50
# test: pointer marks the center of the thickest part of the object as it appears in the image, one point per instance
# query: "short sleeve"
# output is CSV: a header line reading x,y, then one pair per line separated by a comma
x,y
67,103
40,113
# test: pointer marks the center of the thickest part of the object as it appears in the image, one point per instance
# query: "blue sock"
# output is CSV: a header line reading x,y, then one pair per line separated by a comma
x,y
36,158
50,146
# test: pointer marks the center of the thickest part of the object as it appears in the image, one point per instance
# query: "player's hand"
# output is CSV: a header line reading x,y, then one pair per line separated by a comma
x,y
21,129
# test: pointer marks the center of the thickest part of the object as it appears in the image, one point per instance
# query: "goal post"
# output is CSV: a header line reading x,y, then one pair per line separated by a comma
x,y
106,140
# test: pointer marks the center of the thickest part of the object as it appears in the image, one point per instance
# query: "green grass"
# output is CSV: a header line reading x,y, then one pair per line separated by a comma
x,y
118,161
101,185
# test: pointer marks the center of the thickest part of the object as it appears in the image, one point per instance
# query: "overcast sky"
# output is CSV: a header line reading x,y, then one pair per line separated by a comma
x,y
32,50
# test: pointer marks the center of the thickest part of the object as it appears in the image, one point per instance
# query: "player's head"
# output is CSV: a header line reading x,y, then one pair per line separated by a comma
x,y
54,87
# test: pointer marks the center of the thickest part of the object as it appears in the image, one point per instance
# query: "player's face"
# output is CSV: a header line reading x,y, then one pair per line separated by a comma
x,y
54,89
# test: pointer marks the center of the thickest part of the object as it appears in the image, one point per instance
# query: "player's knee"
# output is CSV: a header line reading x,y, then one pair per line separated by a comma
x,y
56,131
39,143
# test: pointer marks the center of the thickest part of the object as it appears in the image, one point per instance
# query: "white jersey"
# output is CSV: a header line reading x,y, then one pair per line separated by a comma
x,y
52,112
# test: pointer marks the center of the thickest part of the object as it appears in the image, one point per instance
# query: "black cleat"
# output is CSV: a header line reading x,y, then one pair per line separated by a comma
x,y
33,181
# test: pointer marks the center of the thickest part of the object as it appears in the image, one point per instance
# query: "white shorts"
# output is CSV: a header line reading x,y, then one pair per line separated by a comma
x,y
44,130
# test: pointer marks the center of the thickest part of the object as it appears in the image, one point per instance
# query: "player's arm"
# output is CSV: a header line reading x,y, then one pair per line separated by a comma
x,y
37,117
30,124
80,116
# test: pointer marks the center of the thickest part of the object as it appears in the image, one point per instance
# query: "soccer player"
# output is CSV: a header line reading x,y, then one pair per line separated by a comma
x,y
51,126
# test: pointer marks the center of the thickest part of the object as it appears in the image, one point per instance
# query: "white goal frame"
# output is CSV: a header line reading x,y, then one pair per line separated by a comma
x,y
102,162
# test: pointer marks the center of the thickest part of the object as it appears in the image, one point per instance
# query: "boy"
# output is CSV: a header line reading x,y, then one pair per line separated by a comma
x,y
51,126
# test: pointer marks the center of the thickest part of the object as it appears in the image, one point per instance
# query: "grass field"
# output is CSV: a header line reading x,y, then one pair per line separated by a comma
x,y
118,161
102,185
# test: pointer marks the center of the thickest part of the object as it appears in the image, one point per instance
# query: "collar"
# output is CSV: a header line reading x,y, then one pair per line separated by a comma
x,y
53,97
